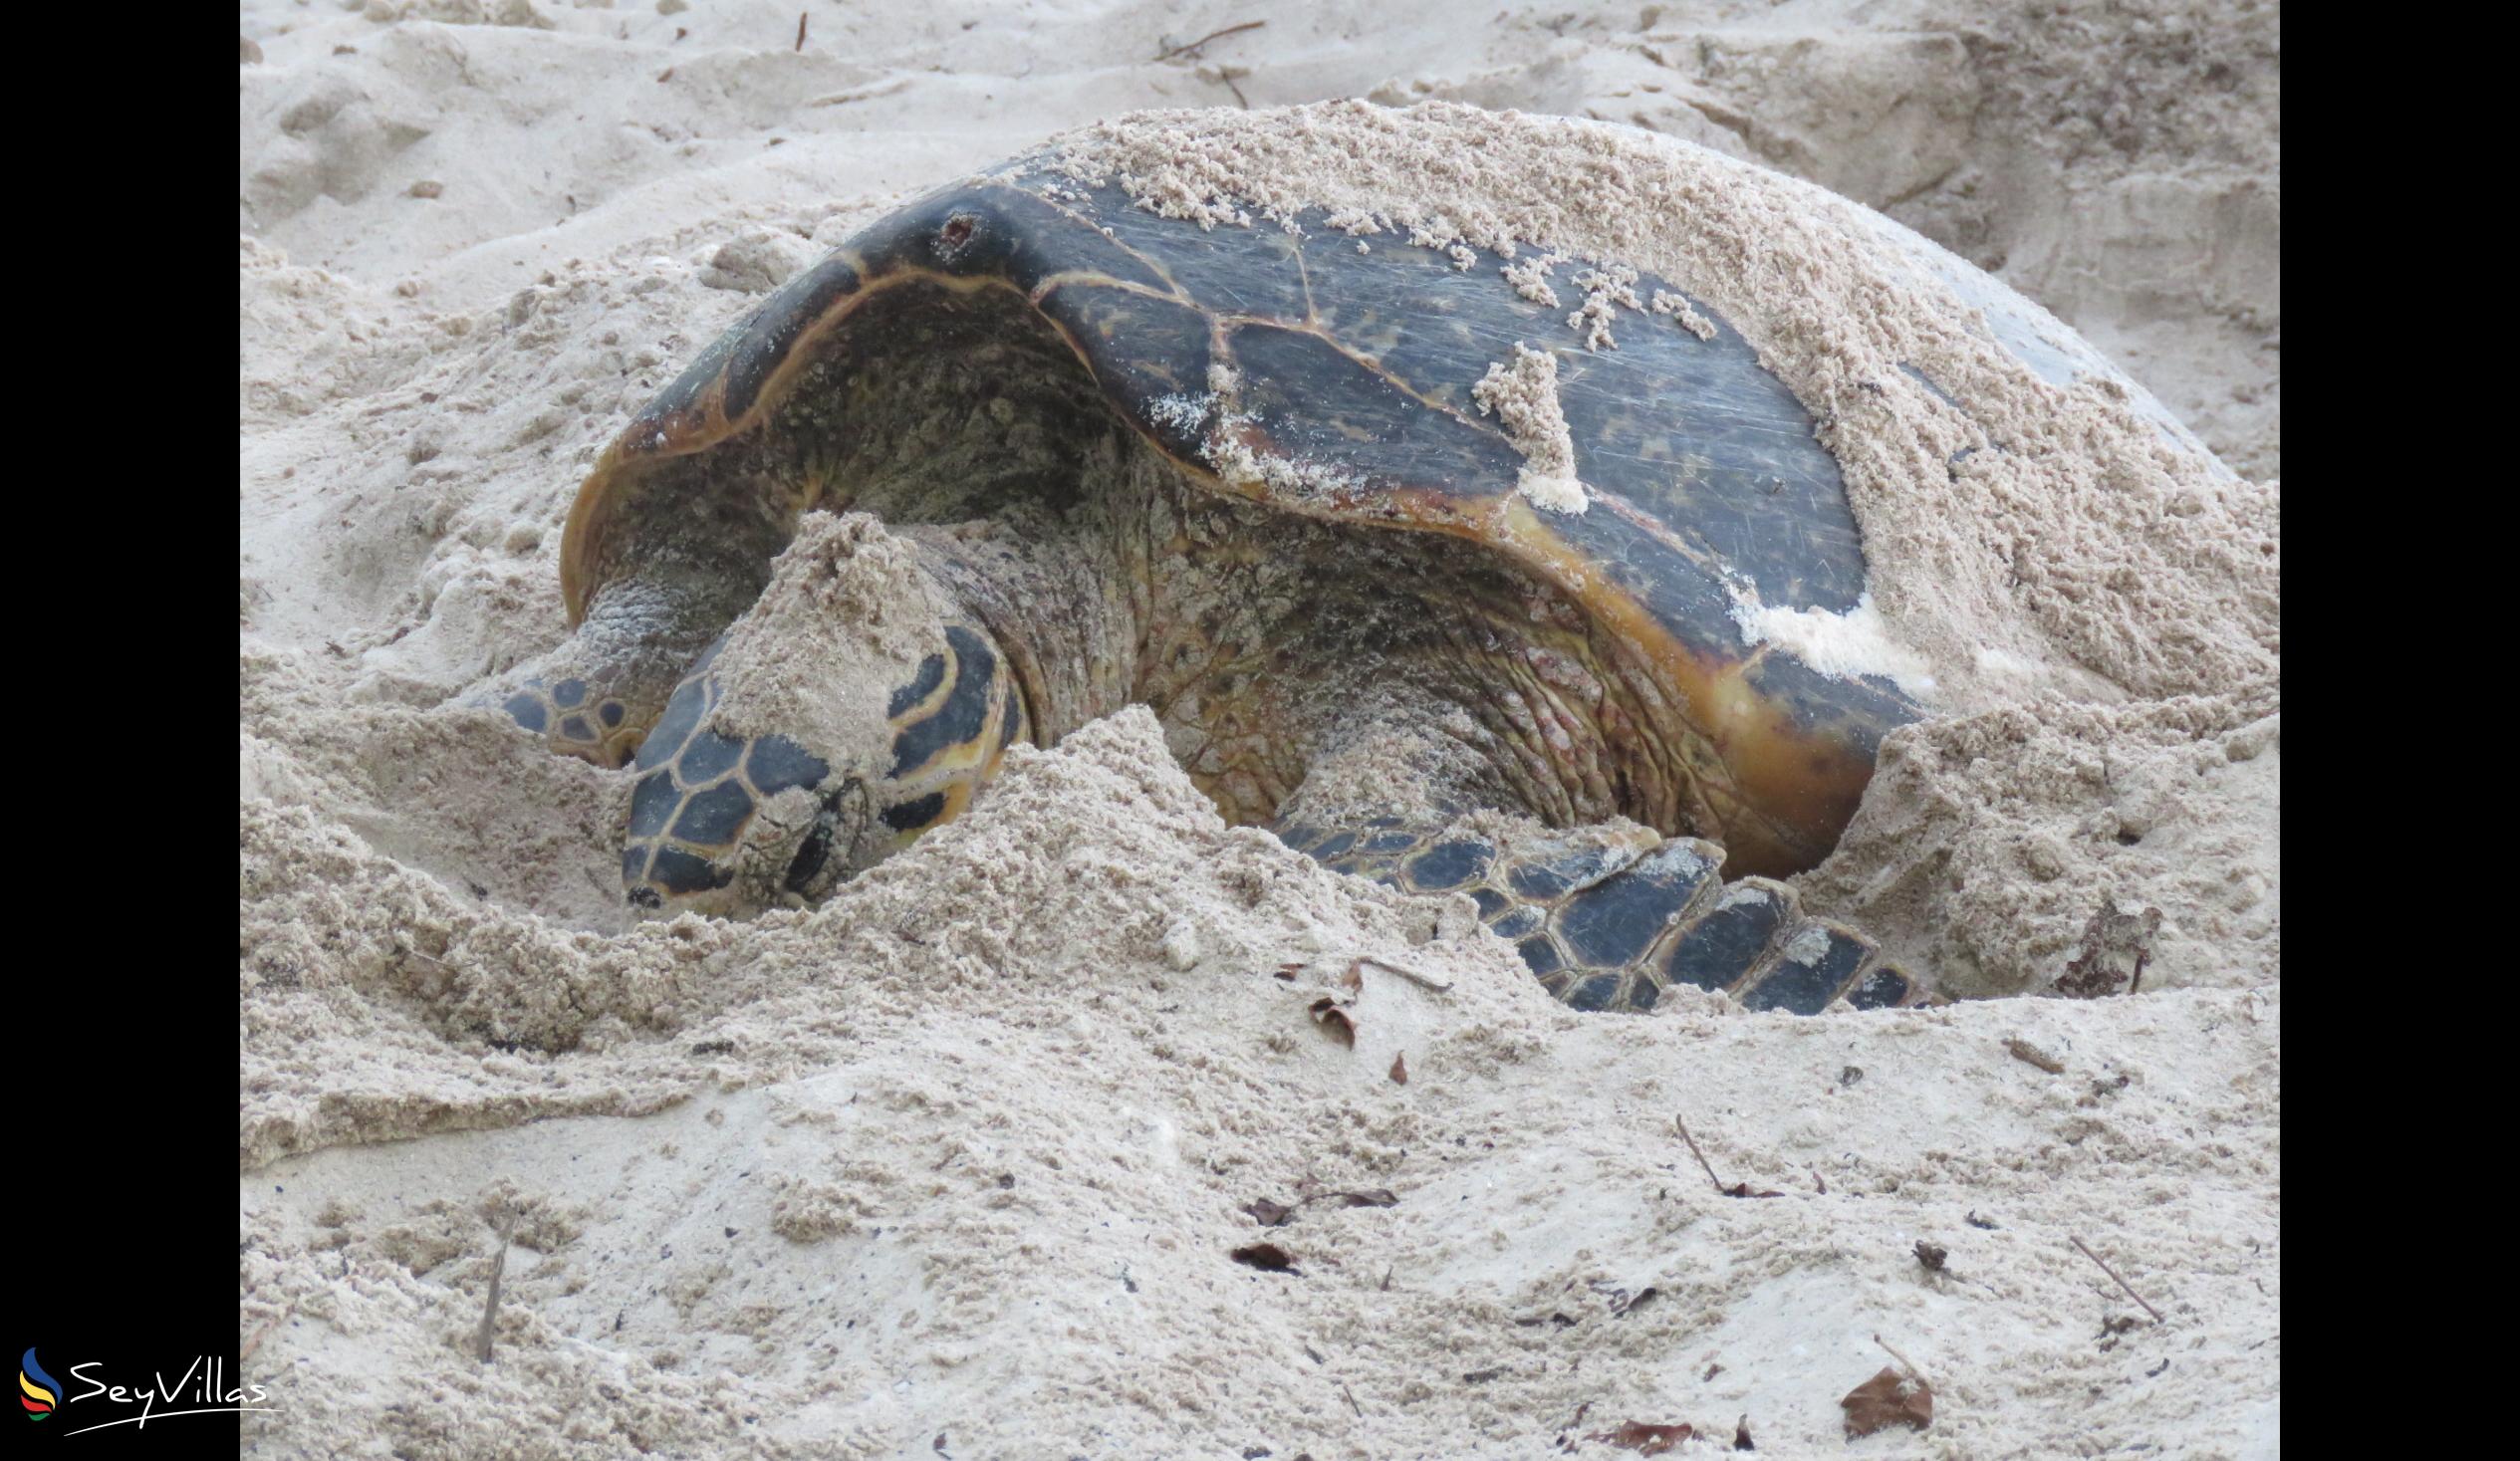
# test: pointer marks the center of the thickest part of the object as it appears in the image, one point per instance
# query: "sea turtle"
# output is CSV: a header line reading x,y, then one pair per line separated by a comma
x,y
1247,477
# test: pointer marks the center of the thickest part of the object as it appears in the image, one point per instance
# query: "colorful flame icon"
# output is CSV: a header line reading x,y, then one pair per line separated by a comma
x,y
42,1392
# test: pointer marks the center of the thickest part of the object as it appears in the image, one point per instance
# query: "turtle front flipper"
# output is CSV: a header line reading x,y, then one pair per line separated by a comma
x,y
593,711
573,717
1610,919
596,695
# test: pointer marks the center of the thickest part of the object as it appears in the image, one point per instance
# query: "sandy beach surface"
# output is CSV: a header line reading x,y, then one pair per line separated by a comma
x,y
957,1163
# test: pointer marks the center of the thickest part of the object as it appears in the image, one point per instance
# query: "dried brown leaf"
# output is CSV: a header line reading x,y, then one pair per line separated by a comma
x,y
1887,1399
1268,1214
1399,1068
1341,1024
1644,1439
1272,1214
1266,1256
2116,944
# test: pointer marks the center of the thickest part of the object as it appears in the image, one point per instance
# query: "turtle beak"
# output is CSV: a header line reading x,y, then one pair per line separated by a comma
x,y
810,847
729,845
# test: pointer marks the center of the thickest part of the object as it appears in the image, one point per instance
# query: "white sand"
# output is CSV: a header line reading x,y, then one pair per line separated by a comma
x,y
1523,395
954,1165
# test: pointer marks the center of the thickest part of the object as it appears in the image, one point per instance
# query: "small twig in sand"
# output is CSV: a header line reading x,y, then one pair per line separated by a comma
x,y
1904,1362
1737,1189
1184,50
1412,975
2030,1054
2122,1283
491,1305
1351,1399
1702,1164
800,30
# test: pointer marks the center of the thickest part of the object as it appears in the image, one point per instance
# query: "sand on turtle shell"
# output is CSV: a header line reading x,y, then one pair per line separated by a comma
x,y
956,1162
1523,395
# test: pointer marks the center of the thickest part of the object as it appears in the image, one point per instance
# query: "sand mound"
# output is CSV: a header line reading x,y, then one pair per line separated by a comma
x,y
968,1151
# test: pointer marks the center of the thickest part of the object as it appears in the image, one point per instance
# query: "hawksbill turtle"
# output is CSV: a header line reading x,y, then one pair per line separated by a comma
x,y
1244,476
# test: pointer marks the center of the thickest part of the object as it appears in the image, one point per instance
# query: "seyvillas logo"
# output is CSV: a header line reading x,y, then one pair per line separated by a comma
x,y
202,1384
38,1392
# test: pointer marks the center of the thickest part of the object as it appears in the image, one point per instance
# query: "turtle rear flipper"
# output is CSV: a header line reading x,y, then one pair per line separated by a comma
x,y
1604,928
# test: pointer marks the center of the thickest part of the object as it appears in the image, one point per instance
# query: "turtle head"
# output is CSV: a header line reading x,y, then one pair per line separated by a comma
x,y
853,708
